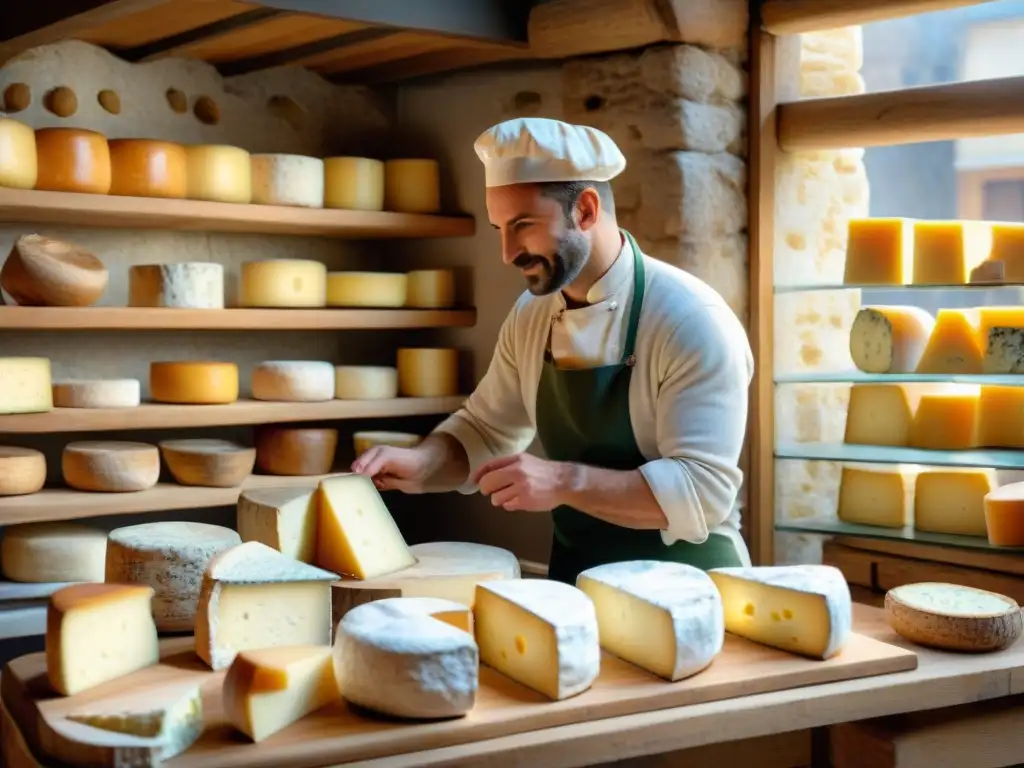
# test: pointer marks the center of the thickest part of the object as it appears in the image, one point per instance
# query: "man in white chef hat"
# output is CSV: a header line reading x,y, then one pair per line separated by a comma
x,y
633,374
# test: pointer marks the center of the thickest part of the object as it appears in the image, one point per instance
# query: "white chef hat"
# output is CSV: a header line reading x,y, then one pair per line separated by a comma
x,y
530,150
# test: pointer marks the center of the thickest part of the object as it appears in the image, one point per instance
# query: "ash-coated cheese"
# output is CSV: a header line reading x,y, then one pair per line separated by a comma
x,y
664,617
879,251
284,519
293,180
284,283
424,372
298,381
73,160
880,495
364,441
1004,515
366,289
147,168
412,186
408,657
946,252
889,339
25,385
365,382
208,462
97,393
44,272
1004,351
952,500
947,420
110,466
431,289
354,183
955,345
1001,417
41,553
185,285
219,173
282,450
22,470
18,162
193,382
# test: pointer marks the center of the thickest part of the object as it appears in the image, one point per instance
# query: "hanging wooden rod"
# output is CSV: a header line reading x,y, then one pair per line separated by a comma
x,y
791,17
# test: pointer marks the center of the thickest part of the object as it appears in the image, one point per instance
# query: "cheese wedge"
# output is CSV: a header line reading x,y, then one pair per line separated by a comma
x,y
947,420
1001,417
1008,248
879,252
877,495
953,500
946,252
890,339
882,414
955,345
284,519
1004,516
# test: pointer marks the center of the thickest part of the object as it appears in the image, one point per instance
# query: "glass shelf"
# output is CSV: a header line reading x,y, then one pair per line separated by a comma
x,y
859,377
996,458
954,286
839,528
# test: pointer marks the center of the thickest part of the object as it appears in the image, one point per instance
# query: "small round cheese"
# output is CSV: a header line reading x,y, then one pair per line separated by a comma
x,y
365,382
189,284
110,466
22,470
43,272
366,289
412,186
219,173
426,372
286,283
297,381
73,160
295,450
288,180
355,183
18,163
431,289
208,462
98,393
364,441
39,553
193,383
145,168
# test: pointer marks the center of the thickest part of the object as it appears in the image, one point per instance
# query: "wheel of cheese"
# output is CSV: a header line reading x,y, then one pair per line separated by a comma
x,y
355,183
40,553
189,284
365,382
22,470
412,186
219,173
295,450
73,160
25,385
293,180
43,272
110,466
145,168
286,283
193,382
209,463
431,289
98,393
18,163
366,289
364,441
426,372
296,381
953,617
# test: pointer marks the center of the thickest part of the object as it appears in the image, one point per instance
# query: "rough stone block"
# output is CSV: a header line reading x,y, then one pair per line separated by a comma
x,y
712,23
692,73
806,489
721,263
812,330
811,413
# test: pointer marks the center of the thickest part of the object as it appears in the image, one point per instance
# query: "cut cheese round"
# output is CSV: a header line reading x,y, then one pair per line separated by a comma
x,y
364,441
73,160
365,382
97,393
208,462
295,450
288,180
1004,516
412,186
355,183
42,553
366,289
193,383
890,339
428,372
219,173
431,289
953,618
18,163
170,557
145,168
408,657
283,283
43,272
22,470
284,519
110,466
296,381
952,500
192,285
25,385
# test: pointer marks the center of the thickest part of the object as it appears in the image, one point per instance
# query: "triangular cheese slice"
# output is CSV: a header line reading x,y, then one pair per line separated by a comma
x,y
955,344
255,563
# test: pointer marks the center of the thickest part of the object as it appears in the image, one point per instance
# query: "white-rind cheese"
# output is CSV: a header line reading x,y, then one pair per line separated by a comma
x,y
288,180
40,553
365,382
890,339
298,381
25,385
191,285
97,393
954,617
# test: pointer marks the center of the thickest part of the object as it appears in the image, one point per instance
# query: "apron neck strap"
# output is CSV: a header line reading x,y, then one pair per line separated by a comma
x,y
638,298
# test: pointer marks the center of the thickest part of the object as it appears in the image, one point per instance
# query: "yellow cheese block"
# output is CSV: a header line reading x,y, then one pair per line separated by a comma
x,y
953,500
412,186
193,382
218,173
25,385
1004,516
110,466
882,495
18,163
284,519
295,450
41,553
144,168
22,470
365,382
355,183
43,272
946,252
999,317
1008,248
73,160
879,252
947,420
208,462
424,372
366,289
364,441
883,414
955,345
283,283
431,289
1001,417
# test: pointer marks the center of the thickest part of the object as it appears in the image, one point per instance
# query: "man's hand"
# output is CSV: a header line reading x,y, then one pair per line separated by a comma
x,y
399,469
524,482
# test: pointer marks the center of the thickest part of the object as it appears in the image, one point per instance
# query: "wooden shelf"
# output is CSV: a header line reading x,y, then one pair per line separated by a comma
x,y
138,319
160,416
74,209
791,17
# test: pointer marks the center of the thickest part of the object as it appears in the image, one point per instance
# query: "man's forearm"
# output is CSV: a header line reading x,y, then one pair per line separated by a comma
x,y
447,463
622,497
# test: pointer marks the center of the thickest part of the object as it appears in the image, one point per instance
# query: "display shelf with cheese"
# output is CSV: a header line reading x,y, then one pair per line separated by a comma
x,y
860,377
994,458
826,527
815,287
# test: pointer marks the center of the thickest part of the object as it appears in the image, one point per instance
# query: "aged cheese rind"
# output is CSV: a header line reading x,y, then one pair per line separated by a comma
x,y
294,180
354,183
889,339
188,382
952,500
953,617
412,186
18,161
97,393
295,450
284,519
365,382
424,372
25,385
22,470
73,160
147,168
364,441
431,289
299,381
877,495
184,285
287,283
366,289
219,173
110,466
42,553
208,462
44,272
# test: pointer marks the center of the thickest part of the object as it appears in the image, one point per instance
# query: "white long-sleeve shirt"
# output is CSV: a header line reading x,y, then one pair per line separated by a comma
x,y
687,395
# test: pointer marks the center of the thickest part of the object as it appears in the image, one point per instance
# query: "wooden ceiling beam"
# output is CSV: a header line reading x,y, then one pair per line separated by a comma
x,y
425,64
300,53
168,46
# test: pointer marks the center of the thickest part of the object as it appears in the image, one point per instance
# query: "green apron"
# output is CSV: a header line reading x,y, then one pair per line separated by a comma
x,y
583,416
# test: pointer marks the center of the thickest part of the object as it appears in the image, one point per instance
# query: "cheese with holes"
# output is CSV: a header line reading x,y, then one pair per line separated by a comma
x,y
267,690
286,283
355,183
356,534
953,500
364,441
664,617
73,160
877,495
184,285
170,557
193,382
412,186
40,553
18,164
946,252
883,414
1004,351
295,450
82,648
366,289
955,345
947,420
97,393
25,385
1001,417
254,597
110,466
408,657
365,382
1004,515
889,339
426,372
953,617
540,633
802,609
43,272
22,470
282,518
297,381
879,252
147,168
1008,247
431,289
293,180
218,173
208,462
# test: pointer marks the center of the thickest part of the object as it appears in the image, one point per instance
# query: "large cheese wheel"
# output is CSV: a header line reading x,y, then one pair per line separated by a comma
x,y
110,466
22,470
219,173
73,160
295,450
286,283
53,552
18,164
43,272
355,183
364,441
297,381
193,382
144,168
97,393
412,186
190,284
365,382
288,180
25,385
431,289
428,372
366,289
208,462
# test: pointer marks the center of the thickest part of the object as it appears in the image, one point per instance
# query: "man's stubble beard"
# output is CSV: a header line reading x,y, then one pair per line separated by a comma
x,y
561,268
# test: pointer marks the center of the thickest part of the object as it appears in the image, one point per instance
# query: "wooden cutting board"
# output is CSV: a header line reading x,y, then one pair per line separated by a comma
x,y
338,733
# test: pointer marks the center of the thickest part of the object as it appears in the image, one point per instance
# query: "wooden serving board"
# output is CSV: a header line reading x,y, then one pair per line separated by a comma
x,y
339,733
